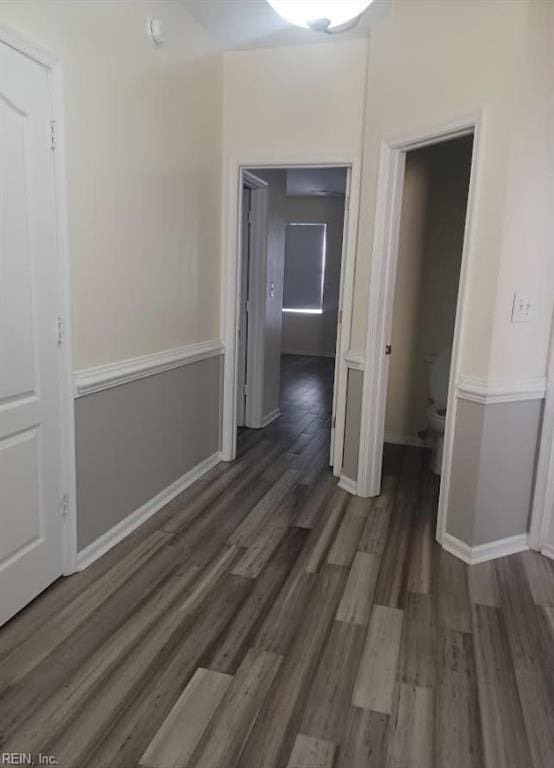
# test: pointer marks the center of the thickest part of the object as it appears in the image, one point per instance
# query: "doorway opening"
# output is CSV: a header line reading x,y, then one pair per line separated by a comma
x,y
416,307
292,223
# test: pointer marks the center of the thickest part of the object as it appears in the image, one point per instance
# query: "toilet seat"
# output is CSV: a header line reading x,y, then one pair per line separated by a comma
x,y
436,416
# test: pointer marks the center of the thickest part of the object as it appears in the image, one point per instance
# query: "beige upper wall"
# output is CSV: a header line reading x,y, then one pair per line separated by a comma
x,y
430,63
294,103
143,157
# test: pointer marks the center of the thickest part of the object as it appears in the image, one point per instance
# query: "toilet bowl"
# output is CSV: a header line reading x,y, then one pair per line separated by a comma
x,y
439,373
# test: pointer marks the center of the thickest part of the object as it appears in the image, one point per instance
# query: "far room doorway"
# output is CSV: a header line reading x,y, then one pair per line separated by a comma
x,y
292,237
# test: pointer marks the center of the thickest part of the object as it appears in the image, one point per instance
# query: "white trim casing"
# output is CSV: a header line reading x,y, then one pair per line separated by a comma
x,y
489,391
354,360
231,274
67,419
483,552
543,497
110,375
256,297
126,526
381,296
270,417
348,485
346,301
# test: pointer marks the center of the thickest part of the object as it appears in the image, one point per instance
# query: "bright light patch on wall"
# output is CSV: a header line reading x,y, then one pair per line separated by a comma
x,y
303,311
304,279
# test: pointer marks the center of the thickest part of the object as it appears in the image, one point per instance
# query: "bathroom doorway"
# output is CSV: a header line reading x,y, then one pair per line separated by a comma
x,y
430,247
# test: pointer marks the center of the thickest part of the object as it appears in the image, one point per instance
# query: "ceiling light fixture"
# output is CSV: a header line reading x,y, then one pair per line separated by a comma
x,y
321,15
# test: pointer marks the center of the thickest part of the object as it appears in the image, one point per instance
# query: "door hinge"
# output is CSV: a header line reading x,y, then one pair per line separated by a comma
x,y
245,390
388,349
52,134
65,505
334,422
248,305
340,316
250,217
347,203
61,331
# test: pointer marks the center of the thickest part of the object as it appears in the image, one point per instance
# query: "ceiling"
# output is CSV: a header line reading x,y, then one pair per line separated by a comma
x,y
316,181
236,24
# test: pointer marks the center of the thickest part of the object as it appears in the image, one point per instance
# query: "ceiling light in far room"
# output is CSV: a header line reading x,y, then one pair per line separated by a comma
x,y
321,15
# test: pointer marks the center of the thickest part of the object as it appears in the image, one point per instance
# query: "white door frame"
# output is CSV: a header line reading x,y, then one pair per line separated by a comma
x,y
259,202
231,277
381,300
543,498
68,507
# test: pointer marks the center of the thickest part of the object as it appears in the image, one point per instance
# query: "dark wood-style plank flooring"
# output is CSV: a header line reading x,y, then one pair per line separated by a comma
x,y
267,619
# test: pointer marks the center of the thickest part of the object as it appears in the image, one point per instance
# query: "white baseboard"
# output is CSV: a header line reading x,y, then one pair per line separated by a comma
x,y
266,421
116,534
348,485
412,440
548,550
483,552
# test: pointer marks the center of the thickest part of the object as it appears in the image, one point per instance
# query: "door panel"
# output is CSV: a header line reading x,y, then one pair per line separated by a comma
x,y
30,440
243,312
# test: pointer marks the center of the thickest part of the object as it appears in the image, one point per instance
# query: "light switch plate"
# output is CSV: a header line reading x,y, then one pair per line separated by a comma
x,y
523,308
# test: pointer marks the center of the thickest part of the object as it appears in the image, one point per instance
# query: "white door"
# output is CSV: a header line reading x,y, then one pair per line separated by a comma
x,y
243,307
31,549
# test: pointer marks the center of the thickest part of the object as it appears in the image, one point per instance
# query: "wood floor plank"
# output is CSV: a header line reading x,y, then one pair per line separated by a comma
x,y
322,535
40,644
118,723
532,654
309,752
394,563
458,734
259,516
185,725
540,576
454,609
504,735
483,589
273,735
223,741
331,690
356,602
136,606
347,538
376,676
314,503
411,742
286,614
366,741
240,634
184,515
549,614
374,535
418,653
420,570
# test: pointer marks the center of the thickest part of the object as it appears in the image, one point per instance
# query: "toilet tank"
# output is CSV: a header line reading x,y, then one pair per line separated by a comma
x,y
438,368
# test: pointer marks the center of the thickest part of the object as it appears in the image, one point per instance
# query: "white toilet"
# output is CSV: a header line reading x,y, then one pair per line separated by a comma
x,y
439,374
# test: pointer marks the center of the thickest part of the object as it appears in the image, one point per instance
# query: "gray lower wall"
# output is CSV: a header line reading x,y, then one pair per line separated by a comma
x,y
352,424
493,470
134,440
